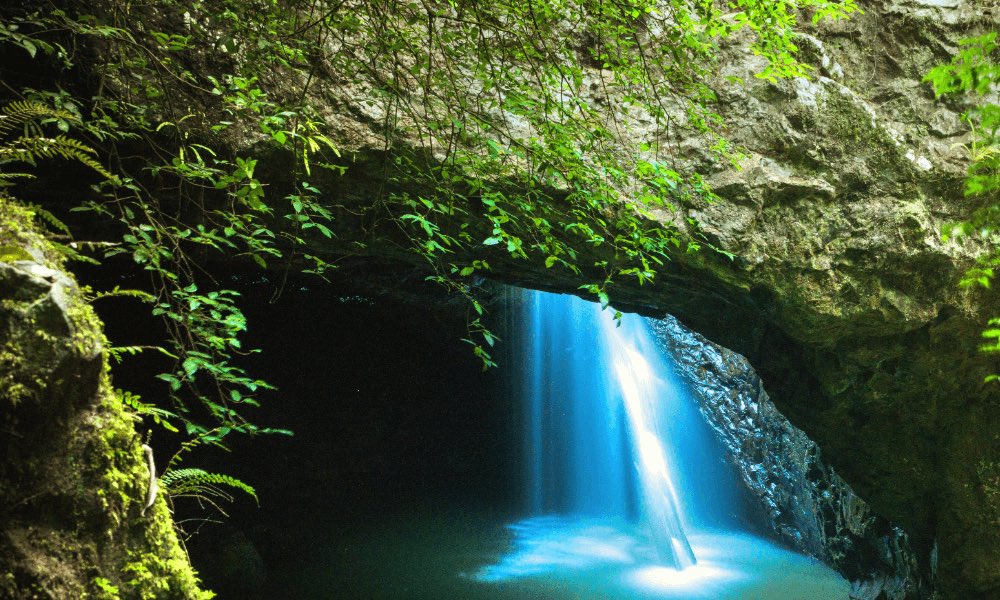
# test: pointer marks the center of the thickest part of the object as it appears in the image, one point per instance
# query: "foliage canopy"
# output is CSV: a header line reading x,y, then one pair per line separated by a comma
x,y
510,126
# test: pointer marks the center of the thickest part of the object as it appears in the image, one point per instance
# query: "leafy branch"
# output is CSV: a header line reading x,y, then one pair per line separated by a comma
x,y
975,72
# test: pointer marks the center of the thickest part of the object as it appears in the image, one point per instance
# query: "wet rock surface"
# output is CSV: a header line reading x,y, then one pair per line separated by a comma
x,y
806,503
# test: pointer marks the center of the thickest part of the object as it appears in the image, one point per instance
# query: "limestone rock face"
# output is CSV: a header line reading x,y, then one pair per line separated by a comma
x,y
842,295
860,333
805,502
73,480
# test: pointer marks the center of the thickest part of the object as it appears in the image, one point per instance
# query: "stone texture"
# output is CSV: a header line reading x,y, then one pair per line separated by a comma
x,y
805,502
842,294
861,335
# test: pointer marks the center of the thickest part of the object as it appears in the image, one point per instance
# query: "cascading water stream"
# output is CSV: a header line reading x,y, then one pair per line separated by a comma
x,y
596,408
638,387
625,484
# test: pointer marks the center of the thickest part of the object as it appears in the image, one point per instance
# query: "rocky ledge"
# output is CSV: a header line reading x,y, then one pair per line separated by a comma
x,y
805,503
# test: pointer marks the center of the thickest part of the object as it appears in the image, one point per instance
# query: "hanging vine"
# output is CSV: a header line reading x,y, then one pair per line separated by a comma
x,y
510,126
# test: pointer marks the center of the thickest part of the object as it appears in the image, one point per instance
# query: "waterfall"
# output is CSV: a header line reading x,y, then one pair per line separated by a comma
x,y
595,408
625,486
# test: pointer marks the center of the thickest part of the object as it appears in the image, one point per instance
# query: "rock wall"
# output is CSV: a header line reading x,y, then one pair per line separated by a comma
x,y
73,481
842,295
859,330
806,503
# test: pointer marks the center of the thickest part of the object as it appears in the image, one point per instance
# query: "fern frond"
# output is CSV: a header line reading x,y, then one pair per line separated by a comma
x,y
6,178
186,447
117,353
50,219
20,112
70,253
118,292
199,482
29,149
160,417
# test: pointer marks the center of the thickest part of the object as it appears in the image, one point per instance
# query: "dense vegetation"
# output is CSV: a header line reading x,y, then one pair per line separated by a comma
x,y
508,125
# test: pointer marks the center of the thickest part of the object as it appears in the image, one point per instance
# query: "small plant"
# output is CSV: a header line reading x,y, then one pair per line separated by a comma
x,y
159,416
105,589
975,71
23,140
203,486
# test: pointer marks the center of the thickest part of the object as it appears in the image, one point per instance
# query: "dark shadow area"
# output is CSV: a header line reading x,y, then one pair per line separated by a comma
x,y
396,429
404,462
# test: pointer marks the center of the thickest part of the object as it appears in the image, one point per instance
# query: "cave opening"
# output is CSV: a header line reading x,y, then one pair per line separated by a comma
x,y
406,473
398,434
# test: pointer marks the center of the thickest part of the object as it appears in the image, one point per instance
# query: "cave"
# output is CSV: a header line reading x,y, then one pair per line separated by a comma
x,y
413,450
783,211
406,474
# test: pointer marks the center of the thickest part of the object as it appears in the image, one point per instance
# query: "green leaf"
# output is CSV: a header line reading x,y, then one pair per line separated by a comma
x,y
190,366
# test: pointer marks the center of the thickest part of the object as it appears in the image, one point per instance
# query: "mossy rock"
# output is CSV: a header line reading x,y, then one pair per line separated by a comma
x,y
74,480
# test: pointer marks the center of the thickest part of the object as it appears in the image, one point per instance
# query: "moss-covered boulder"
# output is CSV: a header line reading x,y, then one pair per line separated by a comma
x,y
74,480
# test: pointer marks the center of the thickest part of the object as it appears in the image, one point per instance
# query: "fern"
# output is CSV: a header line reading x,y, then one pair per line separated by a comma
x,y
69,251
117,353
6,179
33,145
202,484
23,113
72,254
29,149
160,416
118,292
49,219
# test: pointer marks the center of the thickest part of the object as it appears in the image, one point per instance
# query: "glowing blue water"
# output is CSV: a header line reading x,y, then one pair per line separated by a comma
x,y
626,489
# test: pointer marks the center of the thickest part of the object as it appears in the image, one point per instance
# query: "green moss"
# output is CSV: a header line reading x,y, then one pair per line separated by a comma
x,y
850,126
989,482
87,329
81,479
17,230
152,564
